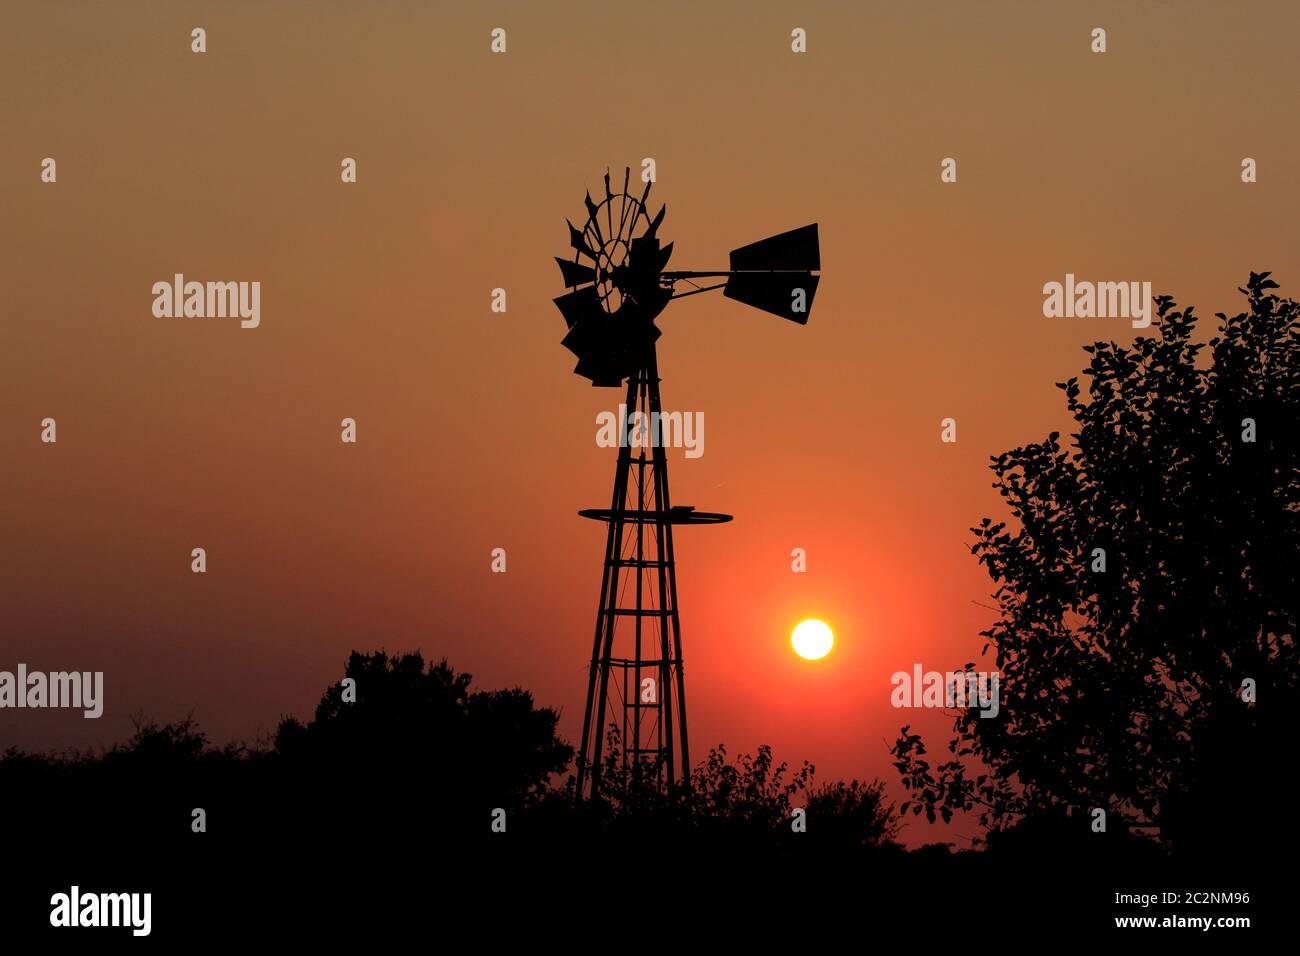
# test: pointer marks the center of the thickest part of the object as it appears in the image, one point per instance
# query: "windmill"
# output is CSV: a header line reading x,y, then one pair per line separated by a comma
x,y
618,286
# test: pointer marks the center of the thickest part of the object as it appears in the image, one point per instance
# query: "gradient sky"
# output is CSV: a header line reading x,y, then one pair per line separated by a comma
x,y
473,432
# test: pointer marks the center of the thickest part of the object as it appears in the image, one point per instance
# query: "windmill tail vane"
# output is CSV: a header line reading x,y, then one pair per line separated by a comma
x,y
618,285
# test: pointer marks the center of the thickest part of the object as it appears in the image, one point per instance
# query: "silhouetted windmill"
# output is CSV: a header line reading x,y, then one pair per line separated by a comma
x,y
618,286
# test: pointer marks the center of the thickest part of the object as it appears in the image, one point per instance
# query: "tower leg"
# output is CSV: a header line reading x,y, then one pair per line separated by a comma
x,y
647,680
593,720
672,660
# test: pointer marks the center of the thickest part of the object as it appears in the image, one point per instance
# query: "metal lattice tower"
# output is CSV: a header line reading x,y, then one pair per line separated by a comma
x,y
636,679
636,687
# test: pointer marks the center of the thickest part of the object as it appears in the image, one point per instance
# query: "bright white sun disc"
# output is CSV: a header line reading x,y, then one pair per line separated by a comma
x,y
812,639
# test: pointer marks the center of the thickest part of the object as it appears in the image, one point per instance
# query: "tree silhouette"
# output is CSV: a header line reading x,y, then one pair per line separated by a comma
x,y
1122,688
427,736
415,743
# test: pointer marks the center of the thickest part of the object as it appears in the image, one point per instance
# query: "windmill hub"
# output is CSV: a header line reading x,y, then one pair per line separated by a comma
x,y
618,286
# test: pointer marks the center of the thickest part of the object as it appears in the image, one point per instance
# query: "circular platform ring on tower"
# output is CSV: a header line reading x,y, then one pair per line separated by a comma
x,y
678,514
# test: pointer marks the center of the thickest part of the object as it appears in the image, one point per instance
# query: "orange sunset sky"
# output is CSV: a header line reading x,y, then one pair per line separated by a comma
x,y
473,432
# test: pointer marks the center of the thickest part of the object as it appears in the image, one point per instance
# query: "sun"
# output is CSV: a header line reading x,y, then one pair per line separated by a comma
x,y
812,639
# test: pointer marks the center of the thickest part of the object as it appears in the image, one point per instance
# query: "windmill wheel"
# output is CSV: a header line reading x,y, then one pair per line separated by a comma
x,y
616,289
607,239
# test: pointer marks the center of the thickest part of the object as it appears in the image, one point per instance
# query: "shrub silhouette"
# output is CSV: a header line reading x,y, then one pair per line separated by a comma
x,y
741,806
854,815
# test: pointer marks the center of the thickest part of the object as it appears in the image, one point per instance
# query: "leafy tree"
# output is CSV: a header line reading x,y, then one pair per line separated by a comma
x,y
423,730
1123,689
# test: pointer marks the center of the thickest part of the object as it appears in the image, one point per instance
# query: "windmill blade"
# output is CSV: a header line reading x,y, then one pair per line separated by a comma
x,y
780,293
579,305
575,273
585,340
664,255
647,254
794,250
603,374
602,357
628,202
609,206
593,223
608,350
589,367
579,243
594,338
637,336
654,224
